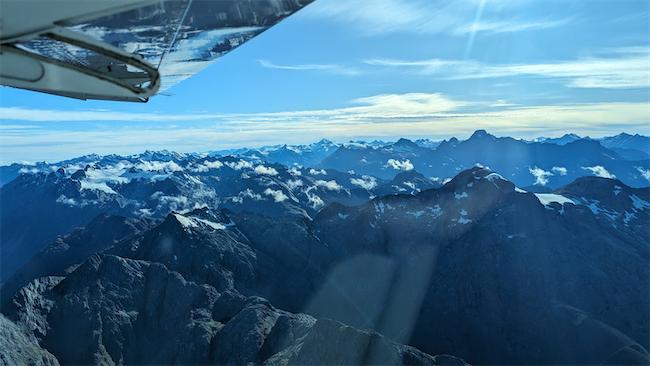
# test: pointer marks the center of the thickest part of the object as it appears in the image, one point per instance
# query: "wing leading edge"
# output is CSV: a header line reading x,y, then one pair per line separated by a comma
x,y
125,50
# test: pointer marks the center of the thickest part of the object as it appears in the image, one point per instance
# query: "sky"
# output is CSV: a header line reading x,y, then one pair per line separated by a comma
x,y
381,69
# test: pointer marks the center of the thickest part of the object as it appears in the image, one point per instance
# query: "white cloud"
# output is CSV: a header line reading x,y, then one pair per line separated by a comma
x,y
541,176
278,196
250,194
400,165
170,203
293,184
261,169
314,201
317,172
388,115
330,68
508,26
155,166
330,185
207,165
28,171
239,165
599,171
42,115
623,70
295,172
368,182
559,170
457,18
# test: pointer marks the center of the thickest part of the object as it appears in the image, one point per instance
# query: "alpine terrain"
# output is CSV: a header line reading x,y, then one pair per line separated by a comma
x,y
490,250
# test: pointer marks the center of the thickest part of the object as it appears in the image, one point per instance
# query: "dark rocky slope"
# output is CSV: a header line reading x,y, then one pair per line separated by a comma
x,y
113,310
477,268
60,257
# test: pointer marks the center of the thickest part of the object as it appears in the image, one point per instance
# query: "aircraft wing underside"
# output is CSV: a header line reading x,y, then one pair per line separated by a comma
x,y
124,50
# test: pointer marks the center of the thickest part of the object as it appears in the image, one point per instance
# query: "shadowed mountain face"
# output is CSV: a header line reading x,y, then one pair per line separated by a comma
x,y
60,257
523,163
154,185
477,269
113,310
56,199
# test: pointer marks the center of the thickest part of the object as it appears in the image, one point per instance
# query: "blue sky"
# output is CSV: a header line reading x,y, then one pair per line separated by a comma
x,y
349,70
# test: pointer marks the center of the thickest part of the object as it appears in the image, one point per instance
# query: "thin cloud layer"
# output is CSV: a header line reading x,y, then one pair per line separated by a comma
x,y
329,68
431,115
456,18
628,69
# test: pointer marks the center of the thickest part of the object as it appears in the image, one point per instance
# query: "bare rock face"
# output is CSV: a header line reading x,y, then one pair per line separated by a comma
x,y
112,310
329,342
18,348
55,259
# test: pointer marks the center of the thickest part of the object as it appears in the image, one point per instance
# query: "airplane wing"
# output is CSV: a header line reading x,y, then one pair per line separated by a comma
x,y
126,50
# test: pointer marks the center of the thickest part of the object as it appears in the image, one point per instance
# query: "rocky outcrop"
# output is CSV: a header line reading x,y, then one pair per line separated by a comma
x,y
55,259
112,310
18,348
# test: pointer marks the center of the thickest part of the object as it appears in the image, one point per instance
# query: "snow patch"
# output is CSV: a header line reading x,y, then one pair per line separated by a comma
x,y
639,203
596,209
198,222
492,176
644,173
519,190
97,187
416,214
459,196
343,216
617,190
436,211
411,185
186,222
547,198
462,220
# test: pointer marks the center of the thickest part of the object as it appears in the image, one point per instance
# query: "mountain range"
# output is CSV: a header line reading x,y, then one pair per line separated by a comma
x,y
477,268
628,147
153,184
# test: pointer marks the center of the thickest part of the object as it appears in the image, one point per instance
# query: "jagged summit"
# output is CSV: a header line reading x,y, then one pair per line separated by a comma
x,y
406,143
480,134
